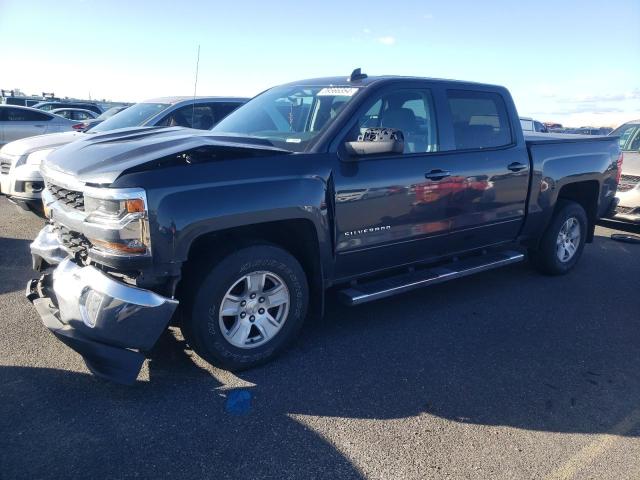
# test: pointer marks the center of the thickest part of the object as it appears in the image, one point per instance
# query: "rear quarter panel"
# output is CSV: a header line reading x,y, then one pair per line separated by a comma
x,y
556,163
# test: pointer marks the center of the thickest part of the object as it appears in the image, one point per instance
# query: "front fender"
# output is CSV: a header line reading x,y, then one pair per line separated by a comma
x,y
186,202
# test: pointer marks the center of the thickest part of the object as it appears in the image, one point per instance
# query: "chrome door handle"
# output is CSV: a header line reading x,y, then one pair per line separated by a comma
x,y
437,174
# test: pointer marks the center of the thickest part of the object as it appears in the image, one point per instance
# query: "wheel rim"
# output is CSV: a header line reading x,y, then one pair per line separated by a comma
x,y
254,309
568,240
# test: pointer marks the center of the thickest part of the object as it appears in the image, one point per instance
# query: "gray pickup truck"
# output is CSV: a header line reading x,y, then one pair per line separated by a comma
x,y
371,185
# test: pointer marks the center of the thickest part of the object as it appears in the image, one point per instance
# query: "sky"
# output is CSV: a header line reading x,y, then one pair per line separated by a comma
x,y
572,62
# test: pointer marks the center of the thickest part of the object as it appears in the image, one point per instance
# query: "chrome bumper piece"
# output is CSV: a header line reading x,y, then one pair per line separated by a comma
x,y
46,250
107,321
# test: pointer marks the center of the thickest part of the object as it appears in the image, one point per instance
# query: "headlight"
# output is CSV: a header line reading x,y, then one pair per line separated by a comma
x,y
38,156
118,221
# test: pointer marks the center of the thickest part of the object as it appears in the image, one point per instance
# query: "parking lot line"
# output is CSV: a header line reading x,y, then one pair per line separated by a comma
x,y
597,447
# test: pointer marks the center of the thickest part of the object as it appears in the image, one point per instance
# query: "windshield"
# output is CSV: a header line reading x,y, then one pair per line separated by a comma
x,y
133,116
629,136
289,117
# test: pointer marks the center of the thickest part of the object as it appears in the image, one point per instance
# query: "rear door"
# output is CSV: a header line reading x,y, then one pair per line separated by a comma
x,y
488,168
20,123
387,212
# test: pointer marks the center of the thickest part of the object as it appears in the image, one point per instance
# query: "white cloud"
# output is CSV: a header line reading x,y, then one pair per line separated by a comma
x,y
388,40
428,16
366,31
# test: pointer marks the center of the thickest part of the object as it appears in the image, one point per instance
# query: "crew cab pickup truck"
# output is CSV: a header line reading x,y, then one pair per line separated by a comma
x,y
371,185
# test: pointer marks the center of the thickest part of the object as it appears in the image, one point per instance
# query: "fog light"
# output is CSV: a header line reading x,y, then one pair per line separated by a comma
x,y
33,187
90,305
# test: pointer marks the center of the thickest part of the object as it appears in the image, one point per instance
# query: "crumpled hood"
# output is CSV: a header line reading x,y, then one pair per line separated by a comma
x,y
28,145
102,158
631,163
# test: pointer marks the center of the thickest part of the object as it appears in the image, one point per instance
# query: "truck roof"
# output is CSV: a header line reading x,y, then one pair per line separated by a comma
x,y
343,80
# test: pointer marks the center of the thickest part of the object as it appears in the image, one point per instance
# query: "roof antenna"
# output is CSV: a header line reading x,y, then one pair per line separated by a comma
x,y
195,88
357,75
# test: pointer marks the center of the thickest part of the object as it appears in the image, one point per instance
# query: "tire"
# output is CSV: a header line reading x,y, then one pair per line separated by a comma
x,y
263,332
547,257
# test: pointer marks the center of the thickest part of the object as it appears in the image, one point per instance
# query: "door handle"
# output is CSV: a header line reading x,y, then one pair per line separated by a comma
x,y
516,166
437,174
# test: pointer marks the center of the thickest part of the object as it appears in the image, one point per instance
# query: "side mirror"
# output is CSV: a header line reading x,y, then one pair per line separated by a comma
x,y
376,141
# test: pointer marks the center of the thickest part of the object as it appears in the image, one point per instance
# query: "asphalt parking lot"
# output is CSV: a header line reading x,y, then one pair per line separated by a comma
x,y
508,374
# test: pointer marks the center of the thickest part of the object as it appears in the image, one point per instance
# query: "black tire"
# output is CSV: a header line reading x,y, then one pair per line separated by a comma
x,y
545,258
201,327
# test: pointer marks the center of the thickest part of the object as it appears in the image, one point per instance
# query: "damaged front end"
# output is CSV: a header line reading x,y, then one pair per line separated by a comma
x,y
98,312
106,321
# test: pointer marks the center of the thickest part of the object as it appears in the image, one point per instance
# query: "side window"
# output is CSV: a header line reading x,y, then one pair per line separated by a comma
x,y
410,111
20,115
480,119
198,116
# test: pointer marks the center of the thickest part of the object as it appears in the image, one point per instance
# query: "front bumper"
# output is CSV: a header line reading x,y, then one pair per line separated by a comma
x,y
23,183
106,321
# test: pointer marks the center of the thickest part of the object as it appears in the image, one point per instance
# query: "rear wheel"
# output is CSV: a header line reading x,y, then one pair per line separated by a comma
x,y
563,241
247,308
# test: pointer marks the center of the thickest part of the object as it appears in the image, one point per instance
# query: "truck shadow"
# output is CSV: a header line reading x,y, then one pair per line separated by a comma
x,y
510,347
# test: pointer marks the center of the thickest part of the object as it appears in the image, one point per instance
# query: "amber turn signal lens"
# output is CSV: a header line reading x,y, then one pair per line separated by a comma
x,y
133,247
135,205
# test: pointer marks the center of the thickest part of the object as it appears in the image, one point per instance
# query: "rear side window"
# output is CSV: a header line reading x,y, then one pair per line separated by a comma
x,y
480,119
20,115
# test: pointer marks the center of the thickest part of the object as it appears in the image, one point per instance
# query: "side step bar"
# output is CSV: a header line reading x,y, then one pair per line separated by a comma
x,y
404,282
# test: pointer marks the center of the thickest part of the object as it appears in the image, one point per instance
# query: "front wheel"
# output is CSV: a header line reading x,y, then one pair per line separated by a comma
x,y
247,308
563,241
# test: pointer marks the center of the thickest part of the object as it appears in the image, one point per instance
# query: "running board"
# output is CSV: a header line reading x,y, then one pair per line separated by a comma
x,y
386,287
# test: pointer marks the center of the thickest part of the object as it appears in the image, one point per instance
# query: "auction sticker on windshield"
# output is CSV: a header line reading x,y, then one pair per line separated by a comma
x,y
337,91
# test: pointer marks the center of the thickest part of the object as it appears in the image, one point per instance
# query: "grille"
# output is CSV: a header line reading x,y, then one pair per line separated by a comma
x,y
74,241
70,198
628,182
624,210
5,165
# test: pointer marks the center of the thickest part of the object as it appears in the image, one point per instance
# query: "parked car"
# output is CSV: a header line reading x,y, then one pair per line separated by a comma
x,y
20,177
77,114
245,226
628,195
531,125
90,123
53,104
20,122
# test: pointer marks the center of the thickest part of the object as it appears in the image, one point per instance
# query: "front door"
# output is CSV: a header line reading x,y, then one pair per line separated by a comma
x,y
387,212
